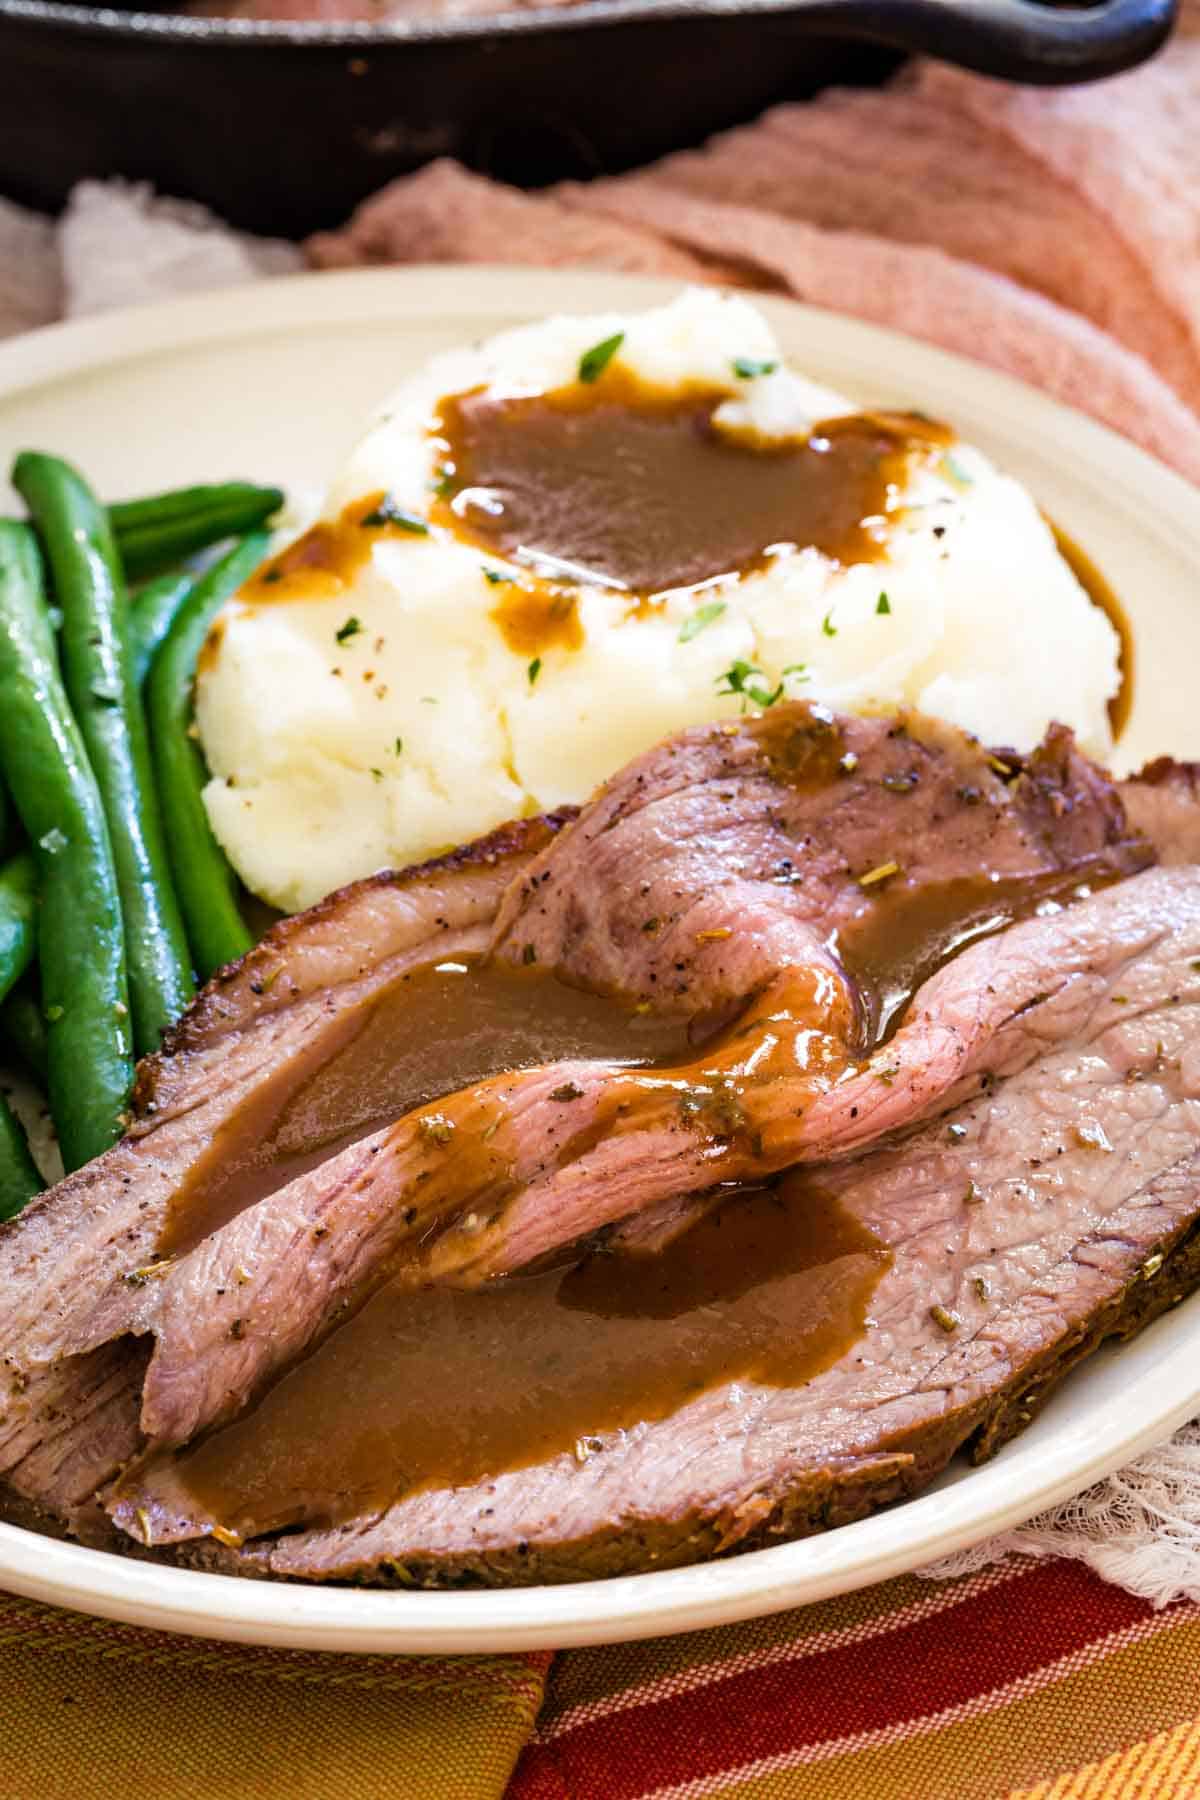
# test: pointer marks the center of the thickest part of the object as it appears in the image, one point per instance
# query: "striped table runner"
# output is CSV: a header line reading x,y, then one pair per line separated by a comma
x,y
1026,1682
1031,1679
90,1710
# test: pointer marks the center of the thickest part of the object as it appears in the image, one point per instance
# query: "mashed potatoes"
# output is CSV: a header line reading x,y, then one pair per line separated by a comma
x,y
378,715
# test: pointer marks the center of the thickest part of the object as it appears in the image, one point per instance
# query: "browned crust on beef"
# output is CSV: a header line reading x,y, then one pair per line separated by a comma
x,y
1106,1280
111,1211
855,1479
1163,802
208,1015
1165,771
837,1496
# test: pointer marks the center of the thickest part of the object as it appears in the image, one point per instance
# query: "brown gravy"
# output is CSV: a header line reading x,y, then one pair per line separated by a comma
x,y
901,938
1102,595
772,1286
324,560
904,939
634,488
437,1029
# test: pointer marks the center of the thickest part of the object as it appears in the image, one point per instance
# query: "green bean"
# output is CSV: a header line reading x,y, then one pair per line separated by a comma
x,y
95,659
19,1177
80,938
155,533
150,615
23,1029
18,918
203,879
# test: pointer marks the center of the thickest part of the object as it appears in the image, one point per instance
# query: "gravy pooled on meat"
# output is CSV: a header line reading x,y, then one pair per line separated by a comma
x,y
528,1368
745,884
435,1030
771,1286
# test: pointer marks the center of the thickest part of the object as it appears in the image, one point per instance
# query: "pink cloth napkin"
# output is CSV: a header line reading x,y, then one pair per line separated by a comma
x,y
1053,234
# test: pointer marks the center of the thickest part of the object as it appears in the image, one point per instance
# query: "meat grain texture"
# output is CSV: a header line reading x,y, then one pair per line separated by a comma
x,y
1060,1208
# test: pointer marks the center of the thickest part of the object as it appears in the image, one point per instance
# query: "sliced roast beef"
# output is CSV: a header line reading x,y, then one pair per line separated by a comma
x,y
520,1166
873,830
242,1306
237,1086
1162,803
753,843
1057,1206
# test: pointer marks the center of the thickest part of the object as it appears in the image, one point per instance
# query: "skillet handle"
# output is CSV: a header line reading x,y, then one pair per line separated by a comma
x,y
1033,41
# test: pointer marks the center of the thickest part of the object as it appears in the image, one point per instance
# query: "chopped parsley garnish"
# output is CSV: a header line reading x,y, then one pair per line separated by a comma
x,y
534,670
749,681
447,481
349,630
743,678
746,368
828,628
496,577
703,615
398,748
378,774
883,604
388,513
593,362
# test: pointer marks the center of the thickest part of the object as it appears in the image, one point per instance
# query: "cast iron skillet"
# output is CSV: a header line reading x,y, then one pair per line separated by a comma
x,y
284,127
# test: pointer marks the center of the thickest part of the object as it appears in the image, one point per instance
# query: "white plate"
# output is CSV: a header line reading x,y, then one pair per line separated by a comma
x,y
274,382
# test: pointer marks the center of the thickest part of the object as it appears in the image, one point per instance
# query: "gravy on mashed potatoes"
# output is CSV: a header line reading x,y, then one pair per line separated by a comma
x,y
556,548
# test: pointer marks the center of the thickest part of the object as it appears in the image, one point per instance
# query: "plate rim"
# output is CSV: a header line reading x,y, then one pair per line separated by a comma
x,y
570,1615
54,352
622,1608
